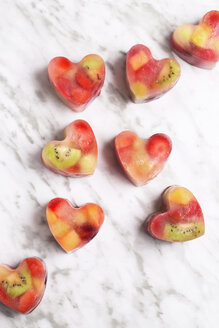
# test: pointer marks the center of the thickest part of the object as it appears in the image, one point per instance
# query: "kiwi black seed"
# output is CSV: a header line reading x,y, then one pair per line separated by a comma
x,y
192,230
17,286
60,155
170,76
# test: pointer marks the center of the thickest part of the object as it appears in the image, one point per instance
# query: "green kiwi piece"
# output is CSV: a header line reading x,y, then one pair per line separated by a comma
x,y
169,74
92,65
60,156
17,283
183,232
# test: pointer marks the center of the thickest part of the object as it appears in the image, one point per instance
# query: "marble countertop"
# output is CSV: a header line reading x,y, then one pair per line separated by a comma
x,y
123,278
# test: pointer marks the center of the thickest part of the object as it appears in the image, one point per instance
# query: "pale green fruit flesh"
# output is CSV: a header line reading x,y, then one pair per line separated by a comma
x,y
168,74
183,232
60,156
17,283
92,65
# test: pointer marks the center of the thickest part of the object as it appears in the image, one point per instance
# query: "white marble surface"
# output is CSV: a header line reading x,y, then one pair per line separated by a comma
x,y
123,278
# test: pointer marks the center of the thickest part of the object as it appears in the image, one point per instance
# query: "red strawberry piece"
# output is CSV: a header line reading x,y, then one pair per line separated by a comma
x,y
142,160
147,77
198,44
22,288
159,146
181,220
77,84
73,227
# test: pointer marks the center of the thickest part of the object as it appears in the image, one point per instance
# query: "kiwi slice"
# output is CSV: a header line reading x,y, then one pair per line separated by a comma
x,y
183,232
92,65
60,156
168,74
17,283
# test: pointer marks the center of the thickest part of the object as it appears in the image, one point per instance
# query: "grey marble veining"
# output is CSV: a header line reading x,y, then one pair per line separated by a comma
x,y
123,278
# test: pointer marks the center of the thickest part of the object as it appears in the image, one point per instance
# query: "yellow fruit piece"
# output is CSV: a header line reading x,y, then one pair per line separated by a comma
x,y
80,217
214,44
4,273
51,217
87,163
140,162
70,241
183,33
59,228
13,278
92,61
201,35
180,195
138,144
93,214
138,60
38,284
139,90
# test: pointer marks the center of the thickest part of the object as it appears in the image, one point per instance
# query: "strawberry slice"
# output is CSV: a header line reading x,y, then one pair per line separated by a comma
x,y
83,136
4,297
142,159
80,95
26,301
83,79
159,146
212,19
77,84
36,267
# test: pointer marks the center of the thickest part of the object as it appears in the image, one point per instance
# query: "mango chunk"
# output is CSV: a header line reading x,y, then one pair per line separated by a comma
x,y
201,35
138,60
70,241
139,90
87,163
59,228
180,195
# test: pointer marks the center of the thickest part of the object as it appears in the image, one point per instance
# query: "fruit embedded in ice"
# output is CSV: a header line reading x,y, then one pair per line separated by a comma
x,y
76,155
73,227
181,221
142,160
147,77
22,289
198,44
77,84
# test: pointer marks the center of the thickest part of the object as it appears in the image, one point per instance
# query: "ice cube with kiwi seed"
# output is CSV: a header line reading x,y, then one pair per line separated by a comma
x,y
17,283
61,156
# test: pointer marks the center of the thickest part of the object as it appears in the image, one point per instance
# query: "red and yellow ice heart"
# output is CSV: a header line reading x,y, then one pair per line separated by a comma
x,y
22,289
73,227
142,160
147,77
182,219
76,155
198,44
77,83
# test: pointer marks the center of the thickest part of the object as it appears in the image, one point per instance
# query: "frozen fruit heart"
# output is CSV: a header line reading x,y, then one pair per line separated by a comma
x,y
74,156
22,289
73,227
198,44
77,83
147,77
182,219
142,160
